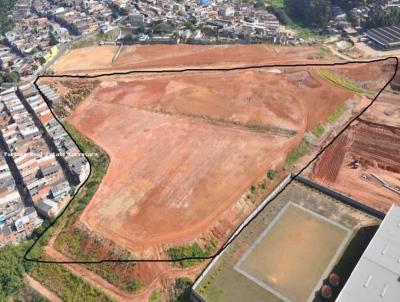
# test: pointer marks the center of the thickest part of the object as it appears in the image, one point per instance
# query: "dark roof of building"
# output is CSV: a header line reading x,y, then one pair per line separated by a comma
x,y
50,169
386,36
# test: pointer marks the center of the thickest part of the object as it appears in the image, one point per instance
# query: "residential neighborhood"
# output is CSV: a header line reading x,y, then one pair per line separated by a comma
x,y
45,29
40,164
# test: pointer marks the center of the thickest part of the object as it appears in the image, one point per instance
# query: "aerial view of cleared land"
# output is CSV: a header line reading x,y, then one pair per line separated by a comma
x,y
272,258
187,156
100,59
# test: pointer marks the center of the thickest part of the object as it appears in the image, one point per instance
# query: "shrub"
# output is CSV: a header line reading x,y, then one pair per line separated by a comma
x,y
272,174
134,285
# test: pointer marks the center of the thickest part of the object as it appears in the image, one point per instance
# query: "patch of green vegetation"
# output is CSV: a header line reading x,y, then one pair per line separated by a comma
x,y
193,250
134,285
323,52
156,296
94,39
67,285
335,115
341,81
181,290
305,32
13,287
6,23
318,130
9,77
258,190
296,154
276,3
272,174
55,276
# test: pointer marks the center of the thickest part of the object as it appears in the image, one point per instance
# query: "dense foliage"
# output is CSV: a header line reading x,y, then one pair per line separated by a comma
x,y
188,251
314,13
6,23
12,269
9,77
181,290
383,17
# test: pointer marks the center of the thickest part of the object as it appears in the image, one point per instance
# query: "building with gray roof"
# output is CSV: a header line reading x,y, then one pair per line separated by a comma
x,y
376,276
386,37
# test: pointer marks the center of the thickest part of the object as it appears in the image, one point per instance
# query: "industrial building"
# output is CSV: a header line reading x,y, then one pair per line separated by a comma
x,y
376,276
385,37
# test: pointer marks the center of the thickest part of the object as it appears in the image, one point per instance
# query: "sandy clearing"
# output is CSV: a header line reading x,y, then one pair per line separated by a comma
x,y
98,58
184,168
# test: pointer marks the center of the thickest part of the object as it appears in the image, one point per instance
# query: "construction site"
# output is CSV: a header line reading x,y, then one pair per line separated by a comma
x,y
191,154
366,156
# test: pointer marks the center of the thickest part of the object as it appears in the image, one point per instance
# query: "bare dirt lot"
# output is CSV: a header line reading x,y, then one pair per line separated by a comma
x,y
99,58
183,150
185,147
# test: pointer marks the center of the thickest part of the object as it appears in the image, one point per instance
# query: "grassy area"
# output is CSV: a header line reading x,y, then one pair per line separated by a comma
x,y
67,285
54,276
341,81
323,52
193,250
318,130
13,287
305,32
335,115
94,39
156,296
276,3
134,285
296,154
224,283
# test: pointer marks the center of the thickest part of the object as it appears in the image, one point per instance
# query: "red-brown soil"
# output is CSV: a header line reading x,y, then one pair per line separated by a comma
x,y
386,110
175,167
253,98
185,147
376,147
99,58
331,160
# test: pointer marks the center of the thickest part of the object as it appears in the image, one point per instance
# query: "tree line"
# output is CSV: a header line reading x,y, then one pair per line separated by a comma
x,y
6,23
317,13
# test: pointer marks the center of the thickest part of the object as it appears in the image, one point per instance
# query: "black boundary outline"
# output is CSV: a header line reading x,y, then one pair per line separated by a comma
x,y
231,238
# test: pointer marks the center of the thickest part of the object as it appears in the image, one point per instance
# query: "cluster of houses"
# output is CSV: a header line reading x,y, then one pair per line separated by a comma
x,y
340,22
40,163
200,19
41,26
78,17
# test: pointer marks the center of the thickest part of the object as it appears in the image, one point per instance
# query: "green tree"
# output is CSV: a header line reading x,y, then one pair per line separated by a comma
x,y
6,23
311,13
11,77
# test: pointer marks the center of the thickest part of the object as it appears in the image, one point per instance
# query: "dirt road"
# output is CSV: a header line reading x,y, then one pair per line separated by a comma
x,y
44,291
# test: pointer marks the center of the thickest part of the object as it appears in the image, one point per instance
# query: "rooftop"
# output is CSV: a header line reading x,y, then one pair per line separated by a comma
x,y
386,36
376,277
